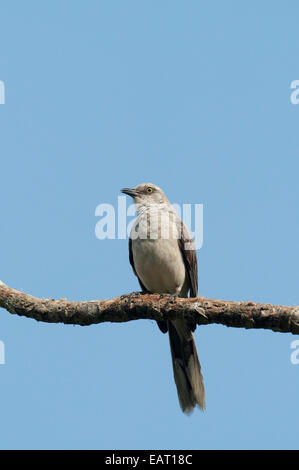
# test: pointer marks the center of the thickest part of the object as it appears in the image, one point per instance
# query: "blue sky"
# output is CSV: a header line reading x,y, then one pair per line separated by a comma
x,y
195,97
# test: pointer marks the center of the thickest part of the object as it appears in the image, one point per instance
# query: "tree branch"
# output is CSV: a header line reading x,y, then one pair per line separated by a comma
x,y
125,308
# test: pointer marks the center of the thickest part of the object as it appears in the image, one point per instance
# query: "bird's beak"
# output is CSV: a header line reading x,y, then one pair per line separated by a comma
x,y
130,192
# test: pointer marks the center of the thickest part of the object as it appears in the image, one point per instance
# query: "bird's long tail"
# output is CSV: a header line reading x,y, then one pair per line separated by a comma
x,y
186,366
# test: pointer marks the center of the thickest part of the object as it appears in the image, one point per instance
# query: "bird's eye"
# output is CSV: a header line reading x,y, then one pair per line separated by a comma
x,y
149,190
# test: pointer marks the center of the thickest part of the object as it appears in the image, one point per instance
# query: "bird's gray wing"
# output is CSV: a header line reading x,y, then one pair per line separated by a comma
x,y
188,251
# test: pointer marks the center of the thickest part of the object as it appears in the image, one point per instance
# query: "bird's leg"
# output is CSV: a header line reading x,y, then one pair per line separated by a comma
x,y
132,294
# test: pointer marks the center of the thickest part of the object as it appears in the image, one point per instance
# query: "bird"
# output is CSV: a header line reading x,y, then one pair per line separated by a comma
x,y
163,257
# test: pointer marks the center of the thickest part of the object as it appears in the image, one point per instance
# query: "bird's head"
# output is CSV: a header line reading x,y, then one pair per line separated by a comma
x,y
146,194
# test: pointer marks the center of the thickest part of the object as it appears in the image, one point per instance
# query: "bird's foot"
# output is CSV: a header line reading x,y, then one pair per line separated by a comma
x,y
171,298
130,296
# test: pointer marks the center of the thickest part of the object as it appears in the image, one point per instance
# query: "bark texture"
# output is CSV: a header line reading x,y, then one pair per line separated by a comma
x,y
133,307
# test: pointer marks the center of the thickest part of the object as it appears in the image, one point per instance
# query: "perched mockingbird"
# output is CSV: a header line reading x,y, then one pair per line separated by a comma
x,y
163,257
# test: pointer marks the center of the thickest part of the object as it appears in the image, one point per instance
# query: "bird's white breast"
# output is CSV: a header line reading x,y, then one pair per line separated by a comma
x,y
157,259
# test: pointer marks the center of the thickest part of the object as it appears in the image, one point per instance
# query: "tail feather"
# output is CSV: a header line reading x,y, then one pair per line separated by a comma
x,y
186,366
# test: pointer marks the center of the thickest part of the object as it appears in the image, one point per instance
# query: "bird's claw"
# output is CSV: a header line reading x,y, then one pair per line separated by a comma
x,y
130,296
171,298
